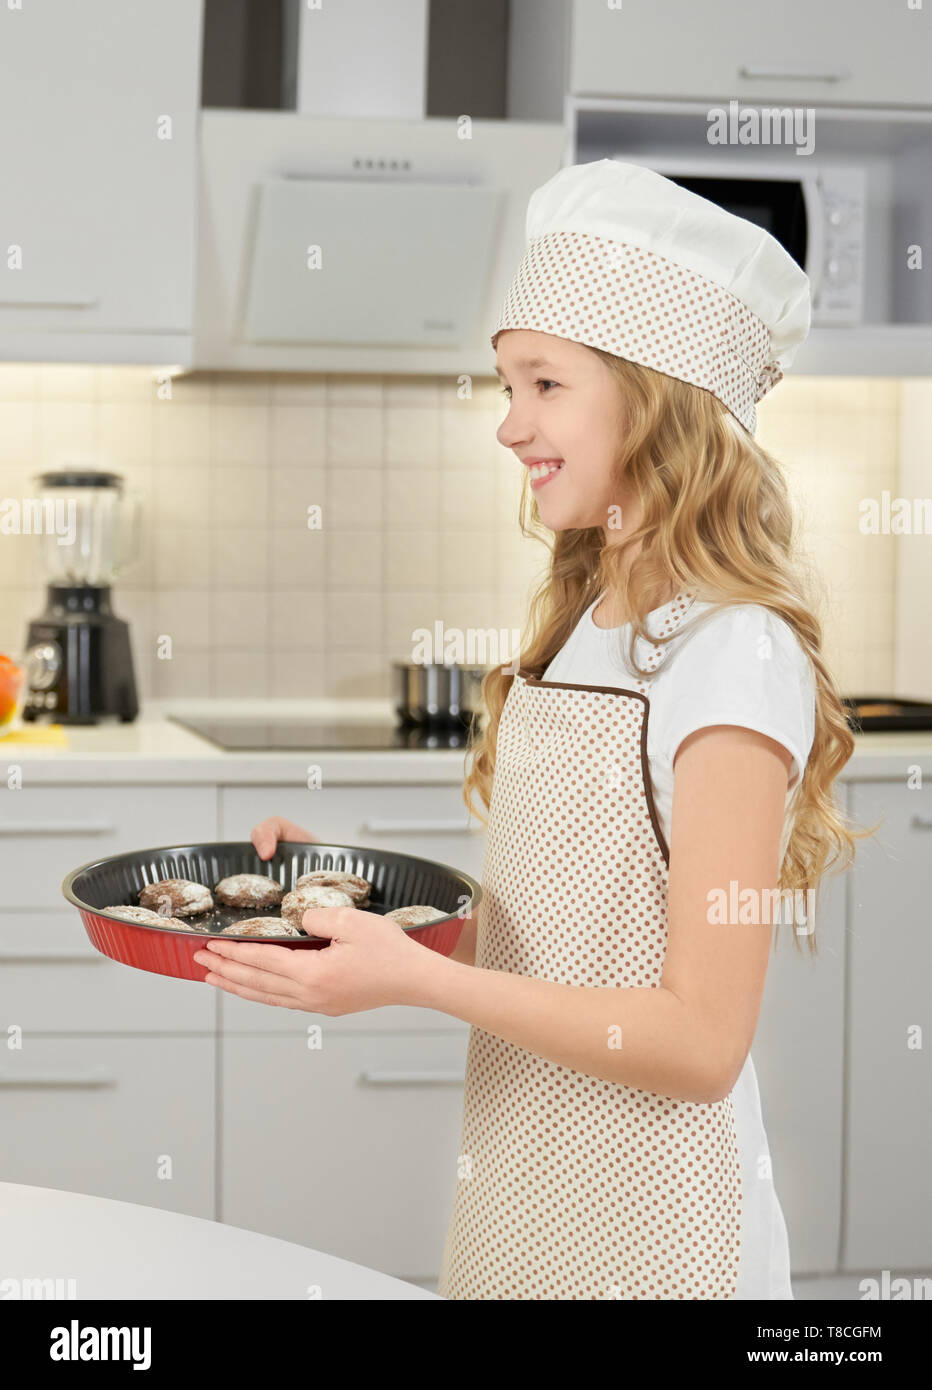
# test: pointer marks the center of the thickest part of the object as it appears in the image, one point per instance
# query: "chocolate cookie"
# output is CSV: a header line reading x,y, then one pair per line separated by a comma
x,y
249,890
353,885
181,895
416,916
299,900
260,926
148,917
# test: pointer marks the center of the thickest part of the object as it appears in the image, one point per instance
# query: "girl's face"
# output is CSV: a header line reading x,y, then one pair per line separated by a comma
x,y
565,410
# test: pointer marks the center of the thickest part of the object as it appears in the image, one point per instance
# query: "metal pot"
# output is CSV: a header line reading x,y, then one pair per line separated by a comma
x,y
434,694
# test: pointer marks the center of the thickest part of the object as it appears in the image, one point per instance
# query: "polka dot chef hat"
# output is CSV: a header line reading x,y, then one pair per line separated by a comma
x,y
621,258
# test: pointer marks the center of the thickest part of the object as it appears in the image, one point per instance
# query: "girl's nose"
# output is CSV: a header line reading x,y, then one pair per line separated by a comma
x,y
512,432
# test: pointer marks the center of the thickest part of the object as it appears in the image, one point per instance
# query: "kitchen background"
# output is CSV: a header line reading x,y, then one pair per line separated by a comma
x,y
419,505
161,325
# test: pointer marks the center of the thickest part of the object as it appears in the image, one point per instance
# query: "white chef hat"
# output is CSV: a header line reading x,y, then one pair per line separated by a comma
x,y
621,258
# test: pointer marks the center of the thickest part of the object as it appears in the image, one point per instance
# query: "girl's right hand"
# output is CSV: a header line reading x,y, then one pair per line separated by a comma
x,y
267,833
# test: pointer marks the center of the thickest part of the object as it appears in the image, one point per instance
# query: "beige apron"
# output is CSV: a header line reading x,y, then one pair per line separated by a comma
x,y
568,1186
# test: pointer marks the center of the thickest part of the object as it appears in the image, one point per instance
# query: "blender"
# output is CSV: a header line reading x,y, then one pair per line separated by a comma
x,y
79,663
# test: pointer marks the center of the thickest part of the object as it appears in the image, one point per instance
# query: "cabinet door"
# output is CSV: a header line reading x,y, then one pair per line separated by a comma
x,y
99,180
47,831
871,53
429,821
129,1118
888,1212
350,1149
52,980
798,1055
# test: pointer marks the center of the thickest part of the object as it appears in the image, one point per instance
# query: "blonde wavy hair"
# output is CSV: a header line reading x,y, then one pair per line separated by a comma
x,y
716,520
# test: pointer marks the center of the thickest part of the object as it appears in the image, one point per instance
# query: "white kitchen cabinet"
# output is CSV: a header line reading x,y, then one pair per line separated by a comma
x,y
798,1055
887,1212
55,981
47,831
52,980
429,821
128,1118
99,182
834,53
351,1149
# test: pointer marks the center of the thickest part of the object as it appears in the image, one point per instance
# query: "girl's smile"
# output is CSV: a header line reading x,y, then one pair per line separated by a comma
x,y
543,470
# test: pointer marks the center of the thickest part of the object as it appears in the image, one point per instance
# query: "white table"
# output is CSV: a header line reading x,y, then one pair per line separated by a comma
x,y
117,1250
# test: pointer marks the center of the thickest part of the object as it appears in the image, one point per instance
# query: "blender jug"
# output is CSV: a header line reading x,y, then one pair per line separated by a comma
x,y
79,657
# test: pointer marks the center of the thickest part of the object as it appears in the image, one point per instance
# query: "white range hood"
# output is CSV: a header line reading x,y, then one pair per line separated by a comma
x,y
389,263
336,244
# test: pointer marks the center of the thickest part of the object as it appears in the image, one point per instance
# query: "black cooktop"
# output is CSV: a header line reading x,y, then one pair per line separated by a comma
x,y
247,736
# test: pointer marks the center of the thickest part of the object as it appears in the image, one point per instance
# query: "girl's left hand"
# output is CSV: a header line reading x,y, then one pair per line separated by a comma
x,y
370,962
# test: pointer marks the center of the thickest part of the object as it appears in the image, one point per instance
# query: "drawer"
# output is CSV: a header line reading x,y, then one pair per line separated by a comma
x,y
428,821
106,1116
362,1137
46,832
55,982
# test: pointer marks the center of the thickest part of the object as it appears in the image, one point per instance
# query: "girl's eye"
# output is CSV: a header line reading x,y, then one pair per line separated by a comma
x,y
506,390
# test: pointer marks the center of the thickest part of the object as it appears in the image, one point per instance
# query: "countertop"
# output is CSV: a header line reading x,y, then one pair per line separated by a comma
x,y
117,1250
154,749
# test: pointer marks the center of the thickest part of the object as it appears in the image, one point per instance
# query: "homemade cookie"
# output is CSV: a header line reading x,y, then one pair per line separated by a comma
x,y
353,885
184,897
260,926
249,890
415,916
148,917
299,900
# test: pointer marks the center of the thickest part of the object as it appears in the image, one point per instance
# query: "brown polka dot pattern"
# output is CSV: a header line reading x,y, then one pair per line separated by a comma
x,y
570,1186
650,654
639,305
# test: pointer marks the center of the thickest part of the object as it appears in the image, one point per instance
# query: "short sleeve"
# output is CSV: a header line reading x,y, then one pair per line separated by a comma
x,y
743,666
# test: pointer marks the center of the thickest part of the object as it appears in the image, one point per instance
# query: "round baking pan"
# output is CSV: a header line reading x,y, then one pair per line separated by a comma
x,y
398,880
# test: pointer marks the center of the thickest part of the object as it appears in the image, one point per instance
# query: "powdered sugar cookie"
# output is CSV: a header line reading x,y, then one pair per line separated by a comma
x,y
260,926
181,895
300,900
353,885
415,916
249,890
148,917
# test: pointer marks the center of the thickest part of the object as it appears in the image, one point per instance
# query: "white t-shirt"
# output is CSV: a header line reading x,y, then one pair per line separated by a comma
x,y
742,666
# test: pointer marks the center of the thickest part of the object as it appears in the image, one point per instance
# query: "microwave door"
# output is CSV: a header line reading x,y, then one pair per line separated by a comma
x,y
781,206
815,251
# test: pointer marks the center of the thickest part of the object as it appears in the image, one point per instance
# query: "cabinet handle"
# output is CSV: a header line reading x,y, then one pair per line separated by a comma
x,y
58,1083
917,823
62,827
46,955
30,302
403,827
411,1078
795,74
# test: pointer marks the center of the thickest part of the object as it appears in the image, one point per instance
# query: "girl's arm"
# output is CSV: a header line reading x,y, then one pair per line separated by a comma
x,y
687,1038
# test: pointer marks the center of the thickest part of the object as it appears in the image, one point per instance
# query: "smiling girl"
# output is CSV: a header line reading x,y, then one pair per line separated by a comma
x,y
671,735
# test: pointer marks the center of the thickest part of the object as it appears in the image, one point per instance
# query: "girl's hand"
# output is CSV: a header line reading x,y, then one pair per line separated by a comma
x,y
370,962
267,833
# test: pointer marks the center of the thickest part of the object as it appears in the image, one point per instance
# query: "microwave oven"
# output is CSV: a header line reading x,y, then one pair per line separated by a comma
x,y
818,216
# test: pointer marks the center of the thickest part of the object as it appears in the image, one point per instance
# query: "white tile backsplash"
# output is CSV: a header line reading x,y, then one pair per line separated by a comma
x,y
420,515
